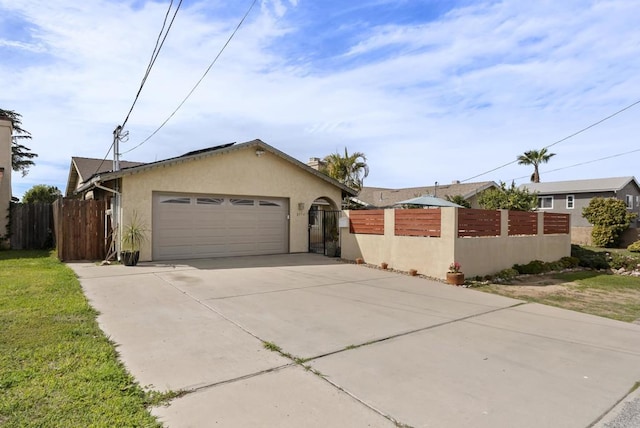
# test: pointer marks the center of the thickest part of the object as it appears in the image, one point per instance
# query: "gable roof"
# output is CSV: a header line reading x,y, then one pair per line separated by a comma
x,y
594,185
82,169
383,197
205,153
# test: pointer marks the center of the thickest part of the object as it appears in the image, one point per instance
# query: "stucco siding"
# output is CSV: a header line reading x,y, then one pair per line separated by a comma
x,y
239,172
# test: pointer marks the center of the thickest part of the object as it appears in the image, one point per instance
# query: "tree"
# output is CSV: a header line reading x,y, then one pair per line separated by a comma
x,y
21,156
609,217
41,193
350,170
459,199
535,158
510,198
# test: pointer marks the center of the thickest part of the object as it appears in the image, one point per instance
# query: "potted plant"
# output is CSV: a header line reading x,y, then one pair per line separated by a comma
x,y
134,234
455,276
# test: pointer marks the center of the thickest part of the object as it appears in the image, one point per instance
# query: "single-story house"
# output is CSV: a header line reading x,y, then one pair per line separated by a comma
x,y
6,129
570,197
380,197
229,200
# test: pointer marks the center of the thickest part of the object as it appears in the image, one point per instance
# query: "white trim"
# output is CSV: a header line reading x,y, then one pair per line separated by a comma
x,y
541,198
572,199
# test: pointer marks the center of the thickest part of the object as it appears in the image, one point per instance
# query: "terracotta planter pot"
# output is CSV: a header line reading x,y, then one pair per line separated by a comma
x,y
384,266
455,278
413,272
359,261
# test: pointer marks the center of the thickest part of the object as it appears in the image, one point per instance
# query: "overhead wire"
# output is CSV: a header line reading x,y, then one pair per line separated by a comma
x,y
582,163
152,61
198,82
561,140
154,55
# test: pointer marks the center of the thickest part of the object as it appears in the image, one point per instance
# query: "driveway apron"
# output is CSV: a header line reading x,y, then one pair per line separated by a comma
x,y
357,347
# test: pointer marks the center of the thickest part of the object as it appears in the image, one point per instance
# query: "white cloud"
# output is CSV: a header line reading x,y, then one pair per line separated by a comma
x,y
427,101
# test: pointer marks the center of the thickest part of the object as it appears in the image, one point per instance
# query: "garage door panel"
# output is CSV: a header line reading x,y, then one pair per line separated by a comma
x,y
193,226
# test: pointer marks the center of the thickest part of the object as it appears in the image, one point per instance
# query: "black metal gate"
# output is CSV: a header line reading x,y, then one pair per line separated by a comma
x,y
324,232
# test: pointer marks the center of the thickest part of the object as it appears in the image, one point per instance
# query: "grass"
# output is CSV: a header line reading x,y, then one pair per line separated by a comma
x,y
592,292
56,366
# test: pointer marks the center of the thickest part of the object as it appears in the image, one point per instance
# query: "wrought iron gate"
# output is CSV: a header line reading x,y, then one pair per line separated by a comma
x,y
324,232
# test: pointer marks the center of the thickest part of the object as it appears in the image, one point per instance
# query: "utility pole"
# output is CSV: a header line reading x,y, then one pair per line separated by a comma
x,y
115,201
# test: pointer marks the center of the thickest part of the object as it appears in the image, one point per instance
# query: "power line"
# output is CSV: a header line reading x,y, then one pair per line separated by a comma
x,y
582,163
154,54
199,81
561,140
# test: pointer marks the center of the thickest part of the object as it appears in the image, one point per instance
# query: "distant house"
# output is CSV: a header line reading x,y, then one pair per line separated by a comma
x,y
83,169
572,196
379,197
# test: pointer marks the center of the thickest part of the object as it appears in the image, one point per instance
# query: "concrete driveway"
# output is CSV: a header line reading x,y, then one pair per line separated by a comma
x,y
375,348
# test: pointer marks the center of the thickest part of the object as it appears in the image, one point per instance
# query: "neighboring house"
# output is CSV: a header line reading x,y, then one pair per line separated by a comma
x,y
230,200
572,196
380,197
5,175
83,169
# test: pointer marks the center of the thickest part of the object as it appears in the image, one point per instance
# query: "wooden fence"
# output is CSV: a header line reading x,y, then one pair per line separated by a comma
x,y
523,223
474,223
31,226
80,229
418,222
369,222
556,223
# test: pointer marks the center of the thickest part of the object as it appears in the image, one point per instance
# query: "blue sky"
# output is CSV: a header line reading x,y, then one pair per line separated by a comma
x,y
428,90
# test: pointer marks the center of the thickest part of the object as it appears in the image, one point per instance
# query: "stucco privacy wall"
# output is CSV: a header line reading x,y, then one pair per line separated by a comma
x,y
5,182
236,172
432,256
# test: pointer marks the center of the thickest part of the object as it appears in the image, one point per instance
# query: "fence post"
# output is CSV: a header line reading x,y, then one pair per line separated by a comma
x,y
540,223
504,223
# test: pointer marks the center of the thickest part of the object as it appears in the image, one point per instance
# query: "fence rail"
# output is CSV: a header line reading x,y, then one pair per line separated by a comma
x,y
80,229
418,222
31,226
475,223
369,222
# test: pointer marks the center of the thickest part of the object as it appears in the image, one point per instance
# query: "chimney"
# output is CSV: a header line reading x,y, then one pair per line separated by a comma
x,y
455,182
5,177
315,163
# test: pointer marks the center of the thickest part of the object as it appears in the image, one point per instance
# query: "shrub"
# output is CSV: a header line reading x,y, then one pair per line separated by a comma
x,y
570,262
618,261
609,217
588,258
534,267
635,247
507,274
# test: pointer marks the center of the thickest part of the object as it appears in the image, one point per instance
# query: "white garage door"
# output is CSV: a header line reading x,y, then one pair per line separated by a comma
x,y
202,226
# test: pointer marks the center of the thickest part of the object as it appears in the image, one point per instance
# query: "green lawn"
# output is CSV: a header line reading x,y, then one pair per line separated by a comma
x,y
56,366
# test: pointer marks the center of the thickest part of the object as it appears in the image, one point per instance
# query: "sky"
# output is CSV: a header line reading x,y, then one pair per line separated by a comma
x,y
429,90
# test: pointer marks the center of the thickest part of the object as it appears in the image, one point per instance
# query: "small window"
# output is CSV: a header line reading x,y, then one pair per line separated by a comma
x,y
210,201
545,202
242,202
268,204
637,201
570,202
629,201
176,201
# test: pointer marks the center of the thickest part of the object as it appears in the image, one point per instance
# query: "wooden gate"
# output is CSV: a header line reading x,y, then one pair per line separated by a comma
x,y
80,229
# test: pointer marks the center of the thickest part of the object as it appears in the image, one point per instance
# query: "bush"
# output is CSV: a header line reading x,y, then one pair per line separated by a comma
x,y
589,259
605,236
534,267
507,274
618,261
570,262
635,247
609,217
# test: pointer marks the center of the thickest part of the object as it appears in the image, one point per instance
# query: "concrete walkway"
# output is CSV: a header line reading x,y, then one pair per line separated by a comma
x,y
376,348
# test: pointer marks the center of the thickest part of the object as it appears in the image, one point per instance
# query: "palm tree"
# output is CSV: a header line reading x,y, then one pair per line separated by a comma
x,y
535,158
350,169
